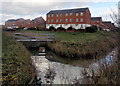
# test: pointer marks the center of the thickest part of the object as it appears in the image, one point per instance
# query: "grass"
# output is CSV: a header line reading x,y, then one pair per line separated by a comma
x,y
16,62
72,36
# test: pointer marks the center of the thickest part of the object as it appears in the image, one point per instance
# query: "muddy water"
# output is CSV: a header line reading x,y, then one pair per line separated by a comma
x,y
54,71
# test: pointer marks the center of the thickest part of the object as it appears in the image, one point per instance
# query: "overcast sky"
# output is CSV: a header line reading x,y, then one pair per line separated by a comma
x,y
30,9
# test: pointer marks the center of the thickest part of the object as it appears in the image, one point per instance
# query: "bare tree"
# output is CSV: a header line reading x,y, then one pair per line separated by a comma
x,y
115,16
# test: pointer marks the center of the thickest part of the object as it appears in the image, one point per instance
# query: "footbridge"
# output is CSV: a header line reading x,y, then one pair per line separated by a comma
x,y
34,39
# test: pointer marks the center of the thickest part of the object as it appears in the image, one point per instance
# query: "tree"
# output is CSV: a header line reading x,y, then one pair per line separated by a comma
x,y
115,16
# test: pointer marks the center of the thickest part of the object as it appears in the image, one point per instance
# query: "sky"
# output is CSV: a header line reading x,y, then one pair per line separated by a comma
x,y
30,9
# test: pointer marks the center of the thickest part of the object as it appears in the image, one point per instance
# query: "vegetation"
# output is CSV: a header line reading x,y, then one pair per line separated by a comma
x,y
16,62
80,44
38,28
91,29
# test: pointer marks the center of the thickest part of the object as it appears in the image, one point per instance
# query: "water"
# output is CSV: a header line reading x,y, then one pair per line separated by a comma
x,y
52,71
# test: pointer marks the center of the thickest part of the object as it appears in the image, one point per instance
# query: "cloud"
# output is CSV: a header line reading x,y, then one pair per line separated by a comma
x,y
35,8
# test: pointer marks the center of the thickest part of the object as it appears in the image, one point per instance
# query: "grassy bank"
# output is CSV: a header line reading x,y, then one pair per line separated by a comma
x,y
84,45
16,62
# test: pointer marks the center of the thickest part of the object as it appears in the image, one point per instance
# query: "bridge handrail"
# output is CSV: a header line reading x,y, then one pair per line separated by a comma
x,y
34,37
32,34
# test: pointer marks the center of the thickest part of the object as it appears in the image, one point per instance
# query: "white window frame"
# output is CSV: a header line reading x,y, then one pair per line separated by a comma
x,y
48,21
60,20
57,15
71,14
60,14
70,20
56,20
81,20
81,14
66,14
48,15
51,20
66,20
77,14
52,15
77,20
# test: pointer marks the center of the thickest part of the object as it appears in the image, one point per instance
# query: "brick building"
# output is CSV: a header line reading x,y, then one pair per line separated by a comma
x,y
22,23
39,22
14,22
97,21
79,18
107,25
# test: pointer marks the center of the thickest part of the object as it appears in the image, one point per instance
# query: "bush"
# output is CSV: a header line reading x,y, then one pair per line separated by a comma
x,y
61,29
40,28
91,29
70,28
32,28
52,28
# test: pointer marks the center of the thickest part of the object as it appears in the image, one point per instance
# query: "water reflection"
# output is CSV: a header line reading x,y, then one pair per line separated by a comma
x,y
59,73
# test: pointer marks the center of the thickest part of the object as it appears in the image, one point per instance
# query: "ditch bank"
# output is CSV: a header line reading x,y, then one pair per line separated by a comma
x,y
17,65
88,50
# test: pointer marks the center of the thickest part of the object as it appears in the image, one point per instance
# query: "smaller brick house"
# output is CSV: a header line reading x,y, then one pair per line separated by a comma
x,y
27,23
22,23
107,25
14,22
97,21
39,22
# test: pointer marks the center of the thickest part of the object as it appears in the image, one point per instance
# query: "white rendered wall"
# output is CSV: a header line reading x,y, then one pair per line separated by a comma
x,y
76,26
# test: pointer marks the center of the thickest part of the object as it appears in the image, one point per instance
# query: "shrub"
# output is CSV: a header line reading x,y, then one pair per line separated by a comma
x,y
40,28
61,29
70,28
52,28
31,28
91,29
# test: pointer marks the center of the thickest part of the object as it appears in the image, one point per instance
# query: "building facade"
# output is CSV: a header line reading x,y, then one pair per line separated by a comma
x,y
22,23
108,25
76,18
97,21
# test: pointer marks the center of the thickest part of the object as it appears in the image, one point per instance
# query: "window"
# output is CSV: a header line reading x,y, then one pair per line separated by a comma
x,y
81,20
52,15
60,20
81,13
48,15
76,19
48,21
52,20
70,20
66,14
56,20
56,15
76,14
66,20
70,14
